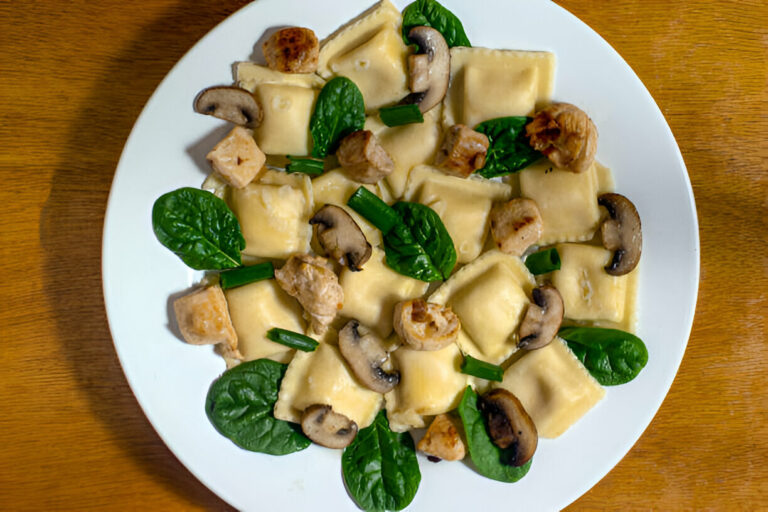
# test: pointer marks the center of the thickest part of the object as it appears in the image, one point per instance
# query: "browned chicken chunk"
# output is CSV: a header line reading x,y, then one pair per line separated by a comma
x,y
566,134
237,158
516,225
203,318
462,152
311,280
363,158
292,50
443,439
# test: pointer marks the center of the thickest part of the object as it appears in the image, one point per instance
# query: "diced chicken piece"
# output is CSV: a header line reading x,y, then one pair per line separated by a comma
x,y
566,134
312,281
203,318
443,439
516,225
292,50
237,158
424,325
462,152
363,158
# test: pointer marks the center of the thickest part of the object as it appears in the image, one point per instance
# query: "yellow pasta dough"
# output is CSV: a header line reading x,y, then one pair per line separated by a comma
x,y
553,386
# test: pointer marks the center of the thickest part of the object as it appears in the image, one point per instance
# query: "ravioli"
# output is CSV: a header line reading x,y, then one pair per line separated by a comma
x,y
553,386
431,383
463,205
370,52
258,307
489,296
322,377
274,214
371,294
486,84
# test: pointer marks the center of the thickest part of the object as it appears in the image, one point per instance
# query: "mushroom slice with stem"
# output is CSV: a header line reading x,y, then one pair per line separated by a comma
x,y
324,426
566,135
230,103
622,233
509,426
365,353
424,325
429,69
543,318
341,237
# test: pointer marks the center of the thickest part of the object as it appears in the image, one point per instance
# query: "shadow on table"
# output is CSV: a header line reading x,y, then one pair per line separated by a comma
x,y
72,221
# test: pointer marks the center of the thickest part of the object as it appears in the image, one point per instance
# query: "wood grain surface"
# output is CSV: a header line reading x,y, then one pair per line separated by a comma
x,y
73,78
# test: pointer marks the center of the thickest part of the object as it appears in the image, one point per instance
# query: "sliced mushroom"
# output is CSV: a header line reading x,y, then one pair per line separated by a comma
x,y
566,134
443,439
429,69
543,318
509,426
365,353
622,234
363,158
424,325
326,427
341,237
292,50
462,152
516,225
230,103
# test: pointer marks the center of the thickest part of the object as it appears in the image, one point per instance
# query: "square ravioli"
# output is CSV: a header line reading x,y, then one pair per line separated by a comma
x,y
258,307
274,214
287,101
489,296
553,386
371,294
588,291
486,84
370,52
567,201
431,383
463,205
323,377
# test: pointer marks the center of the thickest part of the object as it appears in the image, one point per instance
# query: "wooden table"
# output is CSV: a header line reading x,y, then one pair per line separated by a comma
x,y
74,77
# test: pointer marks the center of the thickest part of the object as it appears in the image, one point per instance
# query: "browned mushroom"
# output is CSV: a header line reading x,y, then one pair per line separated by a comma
x,y
516,225
424,325
566,134
341,237
363,158
509,426
622,233
365,353
462,151
429,69
543,318
324,426
230,103
292,50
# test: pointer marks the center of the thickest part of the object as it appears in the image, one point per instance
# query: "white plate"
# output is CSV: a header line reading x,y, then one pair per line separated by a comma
x,y
170,378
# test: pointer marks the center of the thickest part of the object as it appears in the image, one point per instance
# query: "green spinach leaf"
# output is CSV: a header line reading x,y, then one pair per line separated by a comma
x,y
380,467
240,403
199,227
486,456
420,246
611,356
339,111
431,14
509,150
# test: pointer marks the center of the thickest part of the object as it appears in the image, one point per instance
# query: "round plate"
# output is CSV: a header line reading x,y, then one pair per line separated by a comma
x,y
170,378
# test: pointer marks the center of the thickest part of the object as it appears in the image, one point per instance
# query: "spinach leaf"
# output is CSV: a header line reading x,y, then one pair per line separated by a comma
x,y
240,403
199,227
486,456
431,14
380,467
611,356
419,246
509,150
339,111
